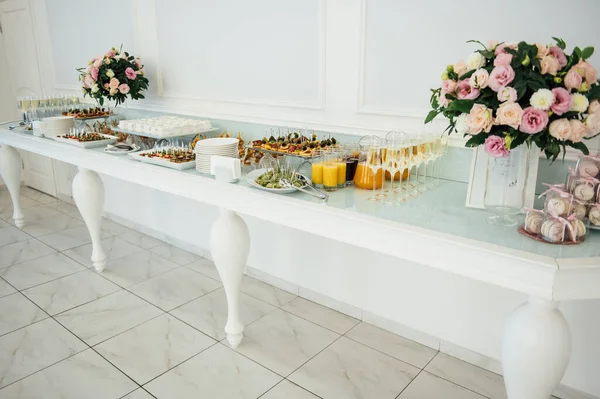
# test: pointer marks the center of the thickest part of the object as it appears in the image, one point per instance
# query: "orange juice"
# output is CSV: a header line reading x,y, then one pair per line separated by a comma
x,y
388,175
317,173
363,178
341,170
330,176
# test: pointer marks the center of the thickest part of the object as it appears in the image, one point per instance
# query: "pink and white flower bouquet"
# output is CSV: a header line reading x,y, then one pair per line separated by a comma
x,y
113,76
509,94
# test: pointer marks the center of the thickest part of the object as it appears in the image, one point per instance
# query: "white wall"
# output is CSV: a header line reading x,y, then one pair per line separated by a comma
x,y
352,66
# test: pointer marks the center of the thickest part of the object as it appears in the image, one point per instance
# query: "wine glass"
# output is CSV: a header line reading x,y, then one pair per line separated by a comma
x,y
373,161
439,149
35,102
426,155
392,158
25,102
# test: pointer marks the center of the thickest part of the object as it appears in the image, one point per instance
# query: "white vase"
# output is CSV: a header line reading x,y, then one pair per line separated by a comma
x,y
505,185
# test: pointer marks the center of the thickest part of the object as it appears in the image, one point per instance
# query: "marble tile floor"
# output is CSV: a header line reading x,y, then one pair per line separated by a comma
x,y
151,326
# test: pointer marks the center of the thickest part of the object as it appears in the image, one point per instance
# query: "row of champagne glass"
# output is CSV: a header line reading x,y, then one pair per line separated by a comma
x,y
35,108
413,160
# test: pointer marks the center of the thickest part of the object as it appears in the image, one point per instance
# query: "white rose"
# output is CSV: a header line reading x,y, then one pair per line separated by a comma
x,y
461,125
480,79
95,88
475,61
542,99
580,102
110,73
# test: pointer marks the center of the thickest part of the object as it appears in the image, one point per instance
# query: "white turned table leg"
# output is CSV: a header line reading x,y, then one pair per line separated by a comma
x,y
229,247
536,350
88,193
10,168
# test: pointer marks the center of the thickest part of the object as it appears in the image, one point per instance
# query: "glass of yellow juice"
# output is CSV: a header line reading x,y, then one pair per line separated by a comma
x,y
317,168
330,172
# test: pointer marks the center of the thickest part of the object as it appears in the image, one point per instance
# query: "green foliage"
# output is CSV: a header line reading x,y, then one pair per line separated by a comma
x,y
476,140
587,52
594,93
560,42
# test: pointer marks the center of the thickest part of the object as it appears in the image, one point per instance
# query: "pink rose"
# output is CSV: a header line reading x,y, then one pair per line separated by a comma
x,y
573,79
578,130
503,59
587,72
460,68
464,91
592,123
124,88
449,86
97,62
130,73
562,101
501,47
114,83
94,73
106,86
594,107
549,65
137,63
559,54
494,145
500,77
542,50
533,121
480,119
560,129
88,81
479,79
111,53
507,94
509,114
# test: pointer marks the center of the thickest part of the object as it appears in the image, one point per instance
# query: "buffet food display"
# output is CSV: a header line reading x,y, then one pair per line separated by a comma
x,y
570,210
294,144
175,157
164,126
85,139
87,113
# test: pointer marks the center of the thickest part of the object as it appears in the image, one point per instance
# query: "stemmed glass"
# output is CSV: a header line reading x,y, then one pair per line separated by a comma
x,y
426,156
375,164
440,146
35,102
392,159
25,102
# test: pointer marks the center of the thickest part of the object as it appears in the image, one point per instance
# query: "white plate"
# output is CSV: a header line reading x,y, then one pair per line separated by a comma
x,y
217,142
88,144
136,148
161,162
255,174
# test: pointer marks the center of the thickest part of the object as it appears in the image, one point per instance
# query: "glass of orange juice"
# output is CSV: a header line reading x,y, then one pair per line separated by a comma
x,y
330,171
317,168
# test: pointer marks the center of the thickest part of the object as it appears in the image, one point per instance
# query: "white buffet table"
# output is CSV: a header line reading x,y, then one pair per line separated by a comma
x,y
434,230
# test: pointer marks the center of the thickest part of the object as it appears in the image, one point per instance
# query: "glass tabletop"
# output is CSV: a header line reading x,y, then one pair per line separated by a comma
x,y
441,209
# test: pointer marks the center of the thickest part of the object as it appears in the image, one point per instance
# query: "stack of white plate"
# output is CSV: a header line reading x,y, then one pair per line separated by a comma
x,y
225,147
57,125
